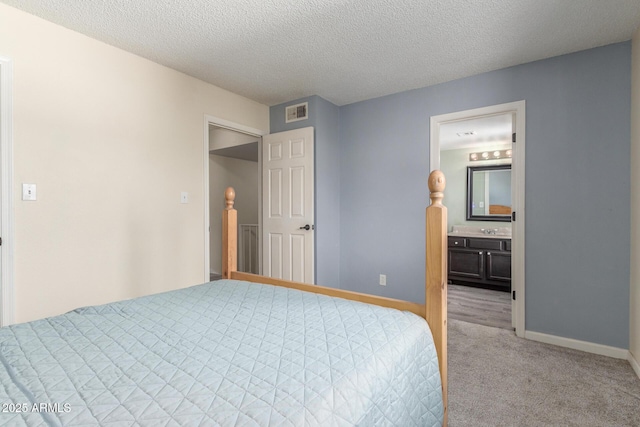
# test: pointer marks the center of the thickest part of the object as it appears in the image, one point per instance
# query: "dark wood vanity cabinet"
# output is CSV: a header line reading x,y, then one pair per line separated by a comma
x,y
480,262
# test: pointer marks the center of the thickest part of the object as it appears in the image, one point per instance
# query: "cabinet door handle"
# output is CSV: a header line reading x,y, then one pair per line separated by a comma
x,y
455,243
488,253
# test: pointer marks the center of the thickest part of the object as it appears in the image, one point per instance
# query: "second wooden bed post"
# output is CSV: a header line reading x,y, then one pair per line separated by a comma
x,y
435,308
229,235
436,275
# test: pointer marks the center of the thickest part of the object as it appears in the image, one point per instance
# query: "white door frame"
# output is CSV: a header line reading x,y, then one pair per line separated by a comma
x,y
518,230
6,186
237,127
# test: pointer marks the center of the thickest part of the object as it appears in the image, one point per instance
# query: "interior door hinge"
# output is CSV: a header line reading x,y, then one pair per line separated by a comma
x,y
513,216
513,295
0,241
513,137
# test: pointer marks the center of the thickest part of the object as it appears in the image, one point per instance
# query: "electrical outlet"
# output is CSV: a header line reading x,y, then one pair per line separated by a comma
x,y
383,280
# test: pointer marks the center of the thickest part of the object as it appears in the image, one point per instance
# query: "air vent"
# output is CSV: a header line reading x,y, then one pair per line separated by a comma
x,y
293,113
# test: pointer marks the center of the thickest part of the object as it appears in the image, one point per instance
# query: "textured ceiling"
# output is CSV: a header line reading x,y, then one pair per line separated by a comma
x,y
476,132
345,51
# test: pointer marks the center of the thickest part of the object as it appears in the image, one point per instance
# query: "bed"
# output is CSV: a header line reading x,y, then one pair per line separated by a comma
x,y
247,350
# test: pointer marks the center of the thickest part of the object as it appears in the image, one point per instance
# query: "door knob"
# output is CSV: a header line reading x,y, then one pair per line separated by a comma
x,y
306,227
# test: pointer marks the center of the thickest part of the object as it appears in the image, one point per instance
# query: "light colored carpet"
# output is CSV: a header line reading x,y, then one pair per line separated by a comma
x,y
498,379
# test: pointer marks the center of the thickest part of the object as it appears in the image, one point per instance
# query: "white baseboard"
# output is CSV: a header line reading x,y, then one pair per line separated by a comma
x,y
634,364
589,347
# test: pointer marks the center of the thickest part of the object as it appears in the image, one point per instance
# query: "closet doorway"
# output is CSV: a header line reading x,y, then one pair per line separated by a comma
x,y
233,159
465,145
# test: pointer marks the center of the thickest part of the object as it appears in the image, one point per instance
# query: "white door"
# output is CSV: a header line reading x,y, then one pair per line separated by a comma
x,y
287,207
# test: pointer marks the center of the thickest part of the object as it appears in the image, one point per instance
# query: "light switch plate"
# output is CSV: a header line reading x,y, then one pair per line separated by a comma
x,y
29,192
184,197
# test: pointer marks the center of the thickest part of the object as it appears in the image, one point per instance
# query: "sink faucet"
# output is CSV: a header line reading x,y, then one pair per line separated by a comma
x,y
490,231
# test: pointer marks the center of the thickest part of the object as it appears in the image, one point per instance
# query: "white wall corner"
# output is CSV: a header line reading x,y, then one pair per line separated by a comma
x,y
589,347
6,189
634,291
634,364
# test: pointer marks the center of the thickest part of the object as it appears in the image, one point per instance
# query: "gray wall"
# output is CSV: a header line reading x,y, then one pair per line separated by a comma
x,y
577,189
634,341
325,118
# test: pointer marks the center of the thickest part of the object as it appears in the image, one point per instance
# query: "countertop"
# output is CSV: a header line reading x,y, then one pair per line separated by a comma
x,y
479,232
479,235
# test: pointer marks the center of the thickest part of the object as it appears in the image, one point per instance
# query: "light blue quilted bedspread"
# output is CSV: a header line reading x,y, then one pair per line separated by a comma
x,y
224,353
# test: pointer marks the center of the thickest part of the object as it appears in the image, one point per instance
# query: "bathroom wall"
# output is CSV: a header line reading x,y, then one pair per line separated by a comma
x,y
454,165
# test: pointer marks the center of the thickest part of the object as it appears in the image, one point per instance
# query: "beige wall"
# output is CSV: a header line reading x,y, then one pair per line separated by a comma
x,y
111,140
634,340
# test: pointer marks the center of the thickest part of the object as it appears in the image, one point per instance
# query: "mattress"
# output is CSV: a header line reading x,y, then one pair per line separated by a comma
x,y
225,353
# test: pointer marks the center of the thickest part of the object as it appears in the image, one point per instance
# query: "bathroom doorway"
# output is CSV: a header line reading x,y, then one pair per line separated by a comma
x,y
486,256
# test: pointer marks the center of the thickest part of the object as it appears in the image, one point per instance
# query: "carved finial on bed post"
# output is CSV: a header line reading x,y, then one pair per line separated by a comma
x,y
436,187
229,235
229,197
436,275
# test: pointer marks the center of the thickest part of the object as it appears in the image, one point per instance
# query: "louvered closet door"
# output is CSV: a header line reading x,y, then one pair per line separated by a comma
x,y
288,217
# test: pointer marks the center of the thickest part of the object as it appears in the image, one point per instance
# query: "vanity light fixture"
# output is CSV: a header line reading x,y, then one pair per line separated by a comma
x,y
486,155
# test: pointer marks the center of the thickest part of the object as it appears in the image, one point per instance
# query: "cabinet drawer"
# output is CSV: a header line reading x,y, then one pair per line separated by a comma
x,y
457,242
493,244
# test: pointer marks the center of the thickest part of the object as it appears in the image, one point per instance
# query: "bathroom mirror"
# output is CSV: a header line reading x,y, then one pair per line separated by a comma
x,y
489,193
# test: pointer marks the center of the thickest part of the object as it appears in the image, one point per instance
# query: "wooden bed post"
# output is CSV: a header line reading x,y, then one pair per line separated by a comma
x,y
436,275
229,235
